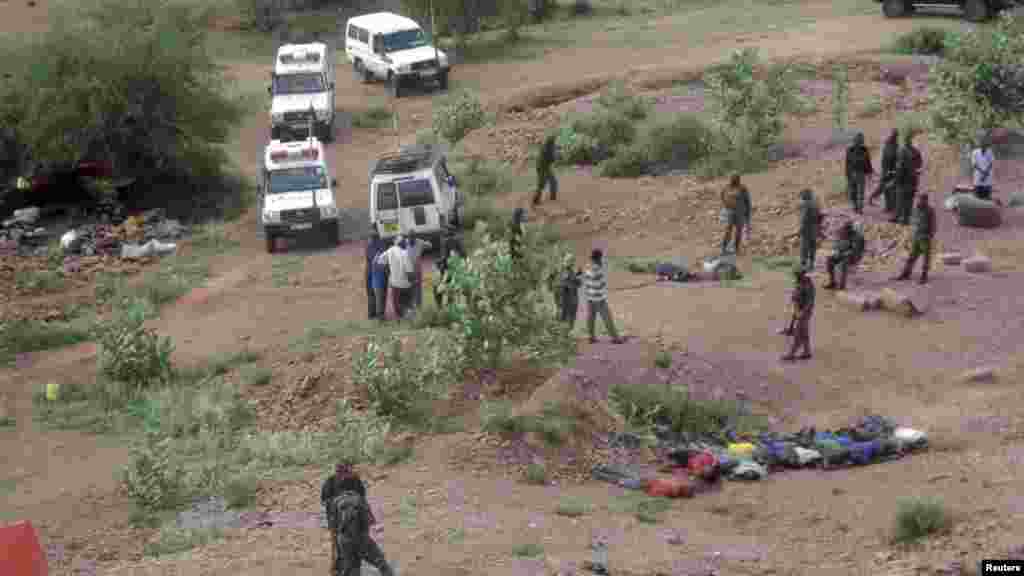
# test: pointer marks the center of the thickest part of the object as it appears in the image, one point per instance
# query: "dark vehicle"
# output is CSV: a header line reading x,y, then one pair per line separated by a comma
x,y
974,10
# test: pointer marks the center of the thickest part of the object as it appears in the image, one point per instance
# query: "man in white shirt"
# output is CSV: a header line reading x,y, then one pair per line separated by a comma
x,y
415,250
982,161
397,260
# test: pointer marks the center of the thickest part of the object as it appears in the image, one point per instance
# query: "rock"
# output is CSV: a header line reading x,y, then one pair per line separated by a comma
x,y
1016,199
950,258
979,375
900,303
858,302
28,215
978,264
972,212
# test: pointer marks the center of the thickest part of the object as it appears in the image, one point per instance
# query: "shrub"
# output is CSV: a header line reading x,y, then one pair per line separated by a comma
x,y
619,98
628,162
153,479
649,406
256,376
678,141
131,353
872,108
919,518
25,335
372,117
359,436
213,408
922,40
979,85
498,417
535,474
458,115
173,540
478,176
593,137
840,98
528,550
576,148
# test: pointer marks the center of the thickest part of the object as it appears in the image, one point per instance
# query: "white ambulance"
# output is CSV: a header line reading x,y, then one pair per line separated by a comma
x,y
302,89
297,192
395,49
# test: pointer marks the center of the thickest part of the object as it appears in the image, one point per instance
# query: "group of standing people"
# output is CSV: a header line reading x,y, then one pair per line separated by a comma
x,y
396,269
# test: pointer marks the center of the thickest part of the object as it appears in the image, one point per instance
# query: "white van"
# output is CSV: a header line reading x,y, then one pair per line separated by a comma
x,y
297,192
394,48
302,89
412,194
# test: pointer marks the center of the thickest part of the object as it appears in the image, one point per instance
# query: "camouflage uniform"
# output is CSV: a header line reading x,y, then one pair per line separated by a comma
x,y
887,181
810,228
545,175
847,253
858,168
350,524
924,231
908,170
736,203
803,302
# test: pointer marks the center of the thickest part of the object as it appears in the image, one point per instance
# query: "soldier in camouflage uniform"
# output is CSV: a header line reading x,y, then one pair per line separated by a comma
x,y
858,168
924,231
349,518
545,174
848,251
886,183
810,228
803,304
908,176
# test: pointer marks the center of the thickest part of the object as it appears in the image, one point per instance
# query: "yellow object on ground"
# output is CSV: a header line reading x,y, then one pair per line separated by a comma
x,y
52,391
741,450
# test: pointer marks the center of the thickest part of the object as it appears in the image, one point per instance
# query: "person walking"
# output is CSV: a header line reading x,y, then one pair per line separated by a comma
x,y
887,180
349,518
924,232
415,248
545,171
858,168
399,276
595,290
982,161
803,310
736,209
908,177
810,228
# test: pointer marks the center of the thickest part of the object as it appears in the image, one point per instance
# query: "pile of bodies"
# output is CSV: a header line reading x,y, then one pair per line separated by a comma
x,y
699,464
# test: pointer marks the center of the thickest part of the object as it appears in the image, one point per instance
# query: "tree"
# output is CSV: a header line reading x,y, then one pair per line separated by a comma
x,y
979,85
130,81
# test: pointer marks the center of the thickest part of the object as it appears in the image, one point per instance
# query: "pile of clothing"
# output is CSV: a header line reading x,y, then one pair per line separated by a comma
x,y
697,464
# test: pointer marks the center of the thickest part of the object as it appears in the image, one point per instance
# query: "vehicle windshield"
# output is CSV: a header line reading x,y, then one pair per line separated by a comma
x,y
296,180
301,83
415,193
404,40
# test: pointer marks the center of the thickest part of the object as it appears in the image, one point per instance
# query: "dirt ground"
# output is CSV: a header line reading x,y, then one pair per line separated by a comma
x,y
442,516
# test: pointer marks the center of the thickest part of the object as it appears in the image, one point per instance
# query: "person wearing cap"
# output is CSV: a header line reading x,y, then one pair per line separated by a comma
x,y
982,162
848,251
349,518
399,275
803,310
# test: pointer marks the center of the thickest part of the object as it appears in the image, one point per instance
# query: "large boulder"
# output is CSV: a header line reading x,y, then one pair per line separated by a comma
x,y
975,213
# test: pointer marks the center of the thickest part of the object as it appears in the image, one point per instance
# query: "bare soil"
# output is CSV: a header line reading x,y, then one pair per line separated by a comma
x,y
459,507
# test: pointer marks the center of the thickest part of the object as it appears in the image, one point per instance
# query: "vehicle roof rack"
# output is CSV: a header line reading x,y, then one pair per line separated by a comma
x,y
405,160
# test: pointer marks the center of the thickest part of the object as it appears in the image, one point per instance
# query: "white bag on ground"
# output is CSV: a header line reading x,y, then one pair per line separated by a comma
x,y
133,251
806,456
975,213
910,438
70,241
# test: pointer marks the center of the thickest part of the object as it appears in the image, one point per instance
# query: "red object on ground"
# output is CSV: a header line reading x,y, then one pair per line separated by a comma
x,y
703,465
669,488
20,552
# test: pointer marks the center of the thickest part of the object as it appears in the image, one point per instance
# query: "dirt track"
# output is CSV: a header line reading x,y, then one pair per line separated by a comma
x,y
791,523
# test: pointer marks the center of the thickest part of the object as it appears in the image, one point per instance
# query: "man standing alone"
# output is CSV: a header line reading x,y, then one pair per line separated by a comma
x,y
810,228
981,164
858,168
349,518
545,172
736,210
924,231
595,290
803,310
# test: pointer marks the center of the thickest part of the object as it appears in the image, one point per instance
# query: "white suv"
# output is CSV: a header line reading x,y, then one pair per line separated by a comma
x,y
393,48
412,194
302,90
297,192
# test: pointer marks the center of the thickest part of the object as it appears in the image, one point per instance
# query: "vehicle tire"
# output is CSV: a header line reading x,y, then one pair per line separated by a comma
x,y
275,133
271,243
362,74
894,8
331,233
396,86
326,131
976,10
442,82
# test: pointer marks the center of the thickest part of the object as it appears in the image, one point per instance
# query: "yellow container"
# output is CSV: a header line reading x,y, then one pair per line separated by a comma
x,y
741,450
52,391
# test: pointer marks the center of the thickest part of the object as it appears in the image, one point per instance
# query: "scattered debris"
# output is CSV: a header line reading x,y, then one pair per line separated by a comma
x,y
978,264
722,267
978,375
676,271
151,248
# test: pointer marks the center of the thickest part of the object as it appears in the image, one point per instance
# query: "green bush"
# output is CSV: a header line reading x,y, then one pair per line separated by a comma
x,y
922,40
131,353
535,474
154,480
498,417
372,117
627,162
575,148
24,335
646,406
680,140
360,436
591,138
920,517
457,115
479,176
134,80
215,407
620,98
